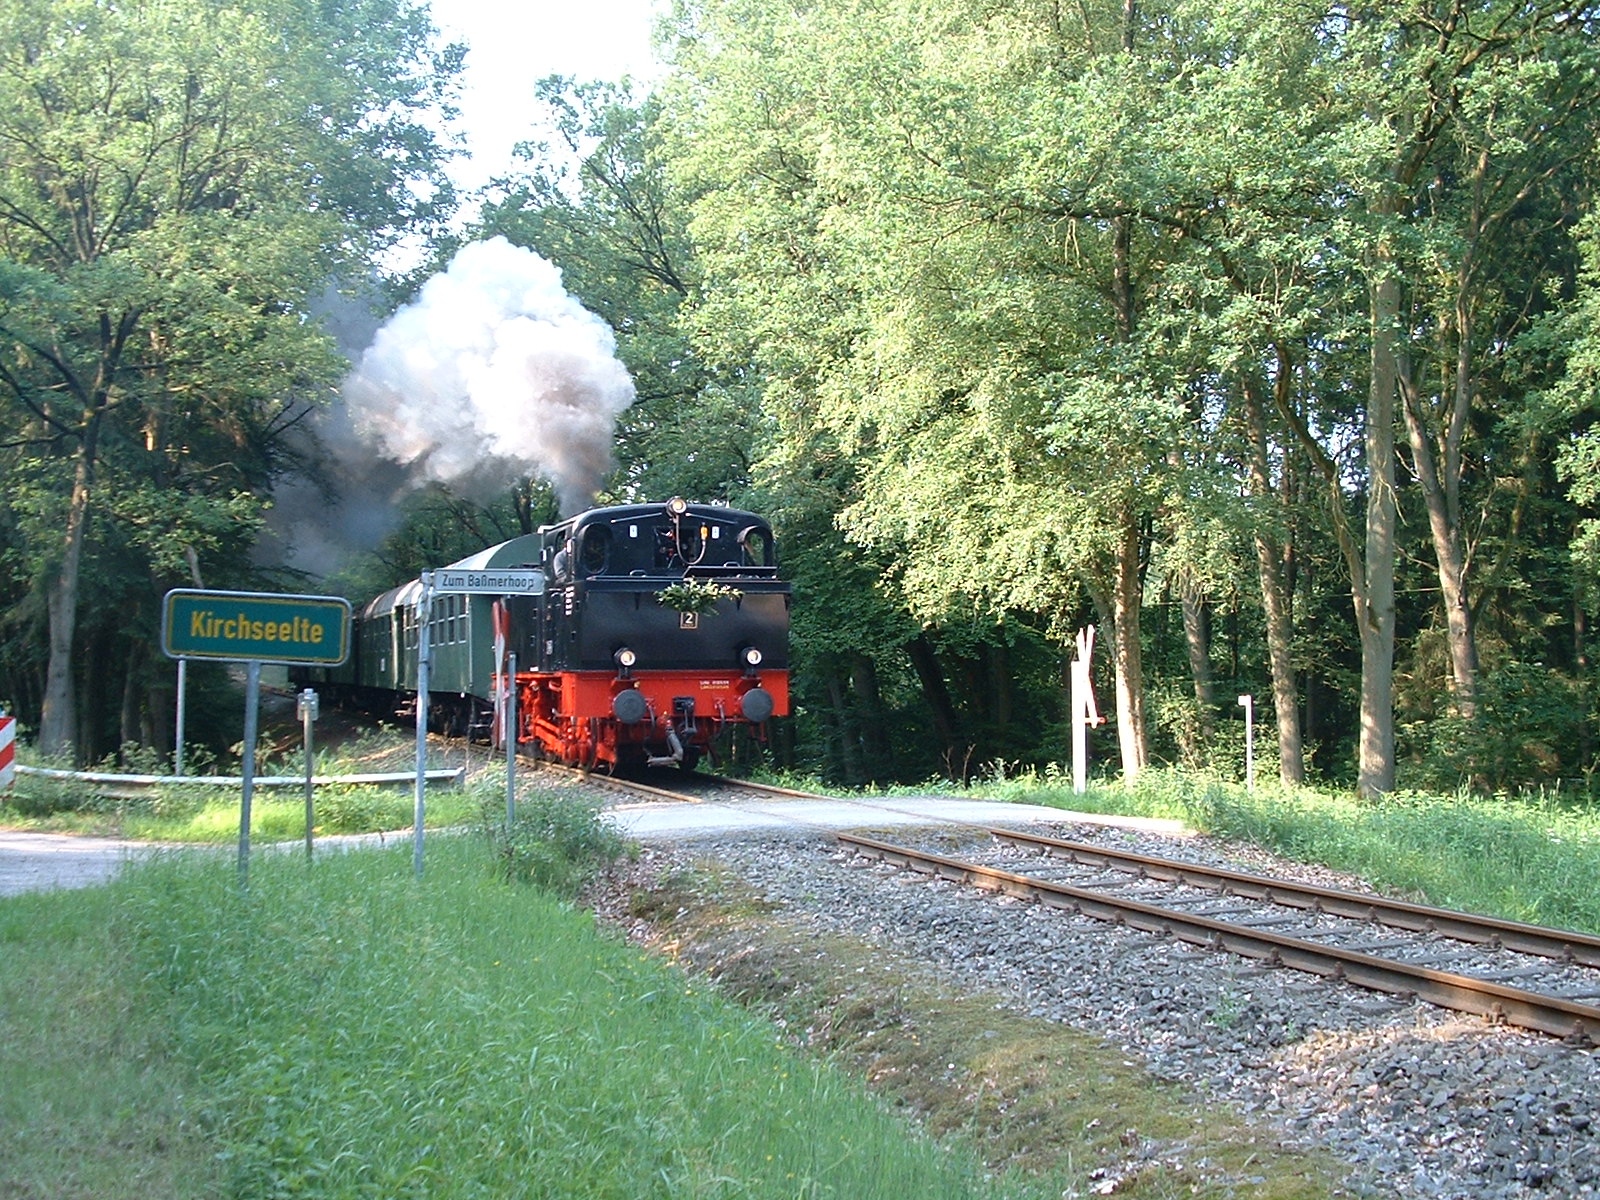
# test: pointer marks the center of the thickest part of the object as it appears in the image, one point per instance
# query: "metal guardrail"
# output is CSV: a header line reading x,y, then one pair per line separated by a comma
x,y
144,781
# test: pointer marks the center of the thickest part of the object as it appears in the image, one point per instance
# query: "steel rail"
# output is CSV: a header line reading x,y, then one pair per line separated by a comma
x,y
1462,993
769,788
1569,946
623,783
613,783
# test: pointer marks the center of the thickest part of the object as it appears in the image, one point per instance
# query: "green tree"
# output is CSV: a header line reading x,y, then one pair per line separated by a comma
x,y
1085,298
176,180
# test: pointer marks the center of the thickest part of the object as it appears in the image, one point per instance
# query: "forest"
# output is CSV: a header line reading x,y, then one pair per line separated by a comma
x,y
1264,338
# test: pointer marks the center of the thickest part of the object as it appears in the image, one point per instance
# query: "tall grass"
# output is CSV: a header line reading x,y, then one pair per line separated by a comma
x,y
366,1033
94,1104
1535,860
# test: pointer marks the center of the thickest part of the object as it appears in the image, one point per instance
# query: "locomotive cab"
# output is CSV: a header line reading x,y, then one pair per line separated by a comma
x,y
661,625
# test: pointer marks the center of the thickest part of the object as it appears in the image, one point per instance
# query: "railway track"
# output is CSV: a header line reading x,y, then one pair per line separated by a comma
x,y
690,787
1521,975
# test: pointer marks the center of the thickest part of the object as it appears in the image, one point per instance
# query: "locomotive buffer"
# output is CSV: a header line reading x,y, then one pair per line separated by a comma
x,y
458,581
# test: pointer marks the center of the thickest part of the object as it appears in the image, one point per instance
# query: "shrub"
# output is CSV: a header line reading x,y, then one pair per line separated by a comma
x,y
1526,714
356,808
557,841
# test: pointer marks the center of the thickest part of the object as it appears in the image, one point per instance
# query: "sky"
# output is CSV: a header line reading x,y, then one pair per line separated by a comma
x,y
512,46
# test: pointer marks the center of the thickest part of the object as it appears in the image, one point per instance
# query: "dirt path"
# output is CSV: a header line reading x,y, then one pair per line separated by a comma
x,y
42,862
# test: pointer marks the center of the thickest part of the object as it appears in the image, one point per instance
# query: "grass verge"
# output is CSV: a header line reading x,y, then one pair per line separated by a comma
x,y
198,813
96,1102
344,1029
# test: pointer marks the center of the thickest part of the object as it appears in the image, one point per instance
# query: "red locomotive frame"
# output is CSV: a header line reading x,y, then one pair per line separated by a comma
x,y
570,716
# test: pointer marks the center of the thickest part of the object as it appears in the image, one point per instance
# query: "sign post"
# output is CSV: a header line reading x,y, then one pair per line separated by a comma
x,y
1248,703
306,702
8,750
511,741
253,628
520,581
183,700
1084,710
424,653
247,769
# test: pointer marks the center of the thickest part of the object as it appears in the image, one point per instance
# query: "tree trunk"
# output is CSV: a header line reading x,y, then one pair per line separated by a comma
x,y
58,720
1276,597
849,747
128,717
926,663
1127,594
877,753
1580,660
1436,458
1375,603
1197,642
1000,680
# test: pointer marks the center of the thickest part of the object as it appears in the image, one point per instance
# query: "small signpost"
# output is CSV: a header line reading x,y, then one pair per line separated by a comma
x,y
457,581
1248,703
253,628
519,582
306,708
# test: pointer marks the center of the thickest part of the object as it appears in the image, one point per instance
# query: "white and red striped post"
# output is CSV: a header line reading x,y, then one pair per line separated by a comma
x,y
8,751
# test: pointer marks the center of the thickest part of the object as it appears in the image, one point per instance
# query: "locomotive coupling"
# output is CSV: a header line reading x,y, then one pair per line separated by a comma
x,y
667,760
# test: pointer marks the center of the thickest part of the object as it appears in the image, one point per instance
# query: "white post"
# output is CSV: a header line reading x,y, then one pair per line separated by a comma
x,y
308,714
1247,702
424,618
511,740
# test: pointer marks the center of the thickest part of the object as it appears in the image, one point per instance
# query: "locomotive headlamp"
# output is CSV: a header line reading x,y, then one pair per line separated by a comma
x,y
750,656
677,506
625,658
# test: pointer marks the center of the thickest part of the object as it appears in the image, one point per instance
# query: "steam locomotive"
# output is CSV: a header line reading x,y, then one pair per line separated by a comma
x,y
661,627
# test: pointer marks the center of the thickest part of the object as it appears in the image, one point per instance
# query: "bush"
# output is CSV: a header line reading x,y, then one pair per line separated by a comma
x,y
557,842
1526,714
358,808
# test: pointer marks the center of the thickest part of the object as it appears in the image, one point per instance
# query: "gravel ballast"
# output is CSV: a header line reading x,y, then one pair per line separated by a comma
x,y
1419,1101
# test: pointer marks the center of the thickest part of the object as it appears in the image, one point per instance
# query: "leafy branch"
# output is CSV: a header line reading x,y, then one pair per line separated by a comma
x,y
696,595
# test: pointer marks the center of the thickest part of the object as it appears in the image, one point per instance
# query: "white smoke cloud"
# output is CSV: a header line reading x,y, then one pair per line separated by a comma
x,y
493,372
